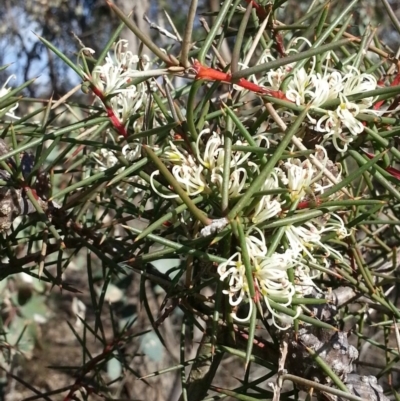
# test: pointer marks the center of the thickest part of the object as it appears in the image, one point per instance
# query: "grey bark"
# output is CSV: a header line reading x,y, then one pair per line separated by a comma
x,y
139,8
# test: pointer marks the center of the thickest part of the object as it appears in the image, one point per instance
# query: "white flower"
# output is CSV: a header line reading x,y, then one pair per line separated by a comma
x,y
347,111
308,87
198,174
304,240
112,80
105,159
131,152
271,275
189,175
341,125
300,87
256,245
186,171
276,77
269,205
127,102
326,87
332,124
234,270
299,176
122,58
213,155
117,70
356,82
191,179
237,180
109,79
336,226
3,92
178,156
266,209
272,280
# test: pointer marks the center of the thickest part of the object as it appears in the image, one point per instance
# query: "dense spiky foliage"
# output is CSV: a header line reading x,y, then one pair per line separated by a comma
x,y
257,195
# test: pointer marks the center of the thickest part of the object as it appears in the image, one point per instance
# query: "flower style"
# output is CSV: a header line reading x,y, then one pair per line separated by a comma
x,y
299,176
304,240
109,79
332,124
238,291
214,153
271,275
356,82
269,205
266,209
121,57
178,156
300,87
272,280
325,87
237,180
127,102
191,179
256,245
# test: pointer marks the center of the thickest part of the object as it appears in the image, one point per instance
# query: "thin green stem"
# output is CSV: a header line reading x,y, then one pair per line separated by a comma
x,y
219,21
177,188
187,37
267,169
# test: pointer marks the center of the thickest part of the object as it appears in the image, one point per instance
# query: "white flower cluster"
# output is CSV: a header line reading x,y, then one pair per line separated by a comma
x,y
203,172
112,79
294,182
270,273
106,158
270,277
310,87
